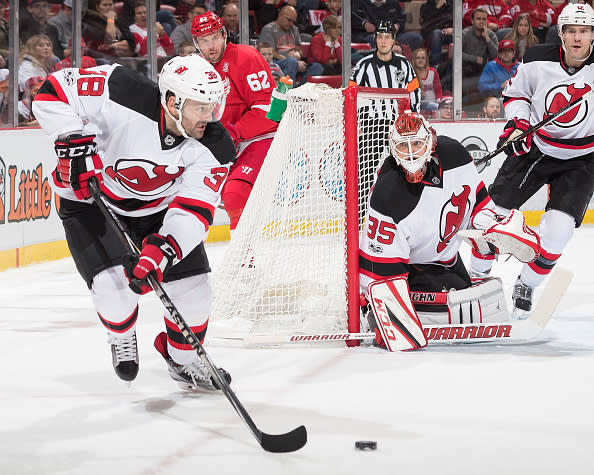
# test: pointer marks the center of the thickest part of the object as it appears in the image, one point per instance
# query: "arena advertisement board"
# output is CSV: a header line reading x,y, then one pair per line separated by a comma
x,y
28,207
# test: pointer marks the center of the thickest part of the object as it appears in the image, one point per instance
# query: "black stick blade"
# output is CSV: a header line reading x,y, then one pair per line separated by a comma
x,y
289,442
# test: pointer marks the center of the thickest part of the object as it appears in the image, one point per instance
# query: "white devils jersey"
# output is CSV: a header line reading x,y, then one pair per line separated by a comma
x,y
145,169
542,85
416,223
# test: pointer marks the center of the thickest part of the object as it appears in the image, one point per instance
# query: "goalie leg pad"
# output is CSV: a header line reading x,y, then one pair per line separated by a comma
x,y
481,303
395,315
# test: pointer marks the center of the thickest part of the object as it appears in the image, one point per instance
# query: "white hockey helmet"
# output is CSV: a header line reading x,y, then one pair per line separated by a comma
x,y
575,14
412,141
191,77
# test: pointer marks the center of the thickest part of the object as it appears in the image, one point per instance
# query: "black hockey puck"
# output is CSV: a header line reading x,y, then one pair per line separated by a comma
x,y
366,445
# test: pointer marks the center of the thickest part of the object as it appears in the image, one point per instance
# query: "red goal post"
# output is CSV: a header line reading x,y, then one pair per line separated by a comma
x,y
292,265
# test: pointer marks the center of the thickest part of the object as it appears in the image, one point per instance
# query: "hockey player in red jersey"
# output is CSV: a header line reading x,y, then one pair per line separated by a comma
x,y
560,154
250,83
427,191
161,157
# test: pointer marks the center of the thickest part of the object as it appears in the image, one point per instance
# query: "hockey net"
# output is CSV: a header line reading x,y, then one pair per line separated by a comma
x,y
292,264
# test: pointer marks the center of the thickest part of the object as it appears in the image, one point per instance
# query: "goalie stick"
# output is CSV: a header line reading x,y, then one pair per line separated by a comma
x,y
288,442
493,332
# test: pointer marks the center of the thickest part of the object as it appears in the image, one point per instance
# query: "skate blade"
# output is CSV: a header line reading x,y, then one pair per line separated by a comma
x,y
196,389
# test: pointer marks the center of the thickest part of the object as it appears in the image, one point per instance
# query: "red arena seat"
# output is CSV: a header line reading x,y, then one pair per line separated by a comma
x,y
332,81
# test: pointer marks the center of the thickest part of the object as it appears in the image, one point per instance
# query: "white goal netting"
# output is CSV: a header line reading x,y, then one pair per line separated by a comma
x,y
285,270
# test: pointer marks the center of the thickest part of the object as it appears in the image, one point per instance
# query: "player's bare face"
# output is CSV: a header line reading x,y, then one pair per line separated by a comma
x,y
577,40
195,116
212,46
384,42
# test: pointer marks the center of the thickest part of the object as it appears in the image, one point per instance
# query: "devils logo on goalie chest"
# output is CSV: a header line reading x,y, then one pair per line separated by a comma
x,y
452,215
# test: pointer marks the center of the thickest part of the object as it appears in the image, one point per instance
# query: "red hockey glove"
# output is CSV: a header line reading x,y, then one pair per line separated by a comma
x,y
233,132
157,255
513,129
77,162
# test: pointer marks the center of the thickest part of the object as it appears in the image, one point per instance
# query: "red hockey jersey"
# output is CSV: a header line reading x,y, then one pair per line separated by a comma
x,y
250,84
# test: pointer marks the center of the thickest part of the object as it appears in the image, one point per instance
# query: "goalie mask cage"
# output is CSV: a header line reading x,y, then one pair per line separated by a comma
x,y
292,265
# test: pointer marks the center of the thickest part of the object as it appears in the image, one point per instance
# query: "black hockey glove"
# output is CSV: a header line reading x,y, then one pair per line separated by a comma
x,y
156,257
512,129
77,162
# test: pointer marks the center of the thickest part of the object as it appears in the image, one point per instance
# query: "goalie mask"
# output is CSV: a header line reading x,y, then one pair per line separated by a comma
x,y
575,14
412,141
192,77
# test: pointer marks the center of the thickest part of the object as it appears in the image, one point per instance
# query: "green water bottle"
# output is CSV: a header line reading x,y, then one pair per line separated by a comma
x,y
278,102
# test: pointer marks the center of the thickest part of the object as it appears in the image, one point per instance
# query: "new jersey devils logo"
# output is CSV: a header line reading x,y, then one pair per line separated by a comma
x,y
143,177
452,214
560,96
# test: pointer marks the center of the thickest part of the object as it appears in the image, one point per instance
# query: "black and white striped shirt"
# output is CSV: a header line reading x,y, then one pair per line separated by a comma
x,y
396,73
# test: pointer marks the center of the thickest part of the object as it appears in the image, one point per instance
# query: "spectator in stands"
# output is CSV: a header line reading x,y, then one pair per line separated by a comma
x,y
37,59
523,36
36,23
106,38
63,23
3,34
165,17
552,36
540,14
497,72
4,73
326,47
183,33
26,116
437,21
499,18
491,108
368,13
267,52
230,18
185,48
86,61
397,48
138,29
445,109
284,36
479,46
428,80
266,11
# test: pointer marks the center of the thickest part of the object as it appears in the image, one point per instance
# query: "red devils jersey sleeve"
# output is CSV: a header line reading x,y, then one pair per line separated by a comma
x,y
250,89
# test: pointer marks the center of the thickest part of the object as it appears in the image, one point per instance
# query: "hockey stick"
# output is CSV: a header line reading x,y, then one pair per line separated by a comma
x,y
535,127
493,332
288,442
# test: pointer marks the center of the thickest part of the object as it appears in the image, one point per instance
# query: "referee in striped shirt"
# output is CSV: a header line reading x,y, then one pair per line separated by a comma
x,y
385,69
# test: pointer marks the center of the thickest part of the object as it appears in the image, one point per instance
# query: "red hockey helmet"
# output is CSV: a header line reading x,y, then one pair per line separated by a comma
x,y
412,141
206,24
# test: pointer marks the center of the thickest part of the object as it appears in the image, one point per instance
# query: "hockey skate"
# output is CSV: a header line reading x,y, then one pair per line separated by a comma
x,y
522,300
124,353
193,376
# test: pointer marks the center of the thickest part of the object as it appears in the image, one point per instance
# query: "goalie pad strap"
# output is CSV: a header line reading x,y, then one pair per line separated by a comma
x,y
480,303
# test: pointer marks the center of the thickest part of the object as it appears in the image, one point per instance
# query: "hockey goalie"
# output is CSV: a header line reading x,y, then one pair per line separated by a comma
x,y
427,197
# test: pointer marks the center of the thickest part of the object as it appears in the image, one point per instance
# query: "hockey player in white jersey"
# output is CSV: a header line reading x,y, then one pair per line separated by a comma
x,y
161,158
560,154
427,191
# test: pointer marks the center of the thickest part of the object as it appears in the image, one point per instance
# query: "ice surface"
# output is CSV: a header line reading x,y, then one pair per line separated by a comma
x,y
471,409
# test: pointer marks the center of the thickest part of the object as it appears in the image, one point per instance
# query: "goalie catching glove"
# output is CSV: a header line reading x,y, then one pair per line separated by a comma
x,y
78,161
156,257
513,129
509,235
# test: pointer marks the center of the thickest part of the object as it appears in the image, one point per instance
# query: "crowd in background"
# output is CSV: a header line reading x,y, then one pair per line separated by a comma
x,y
298,38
